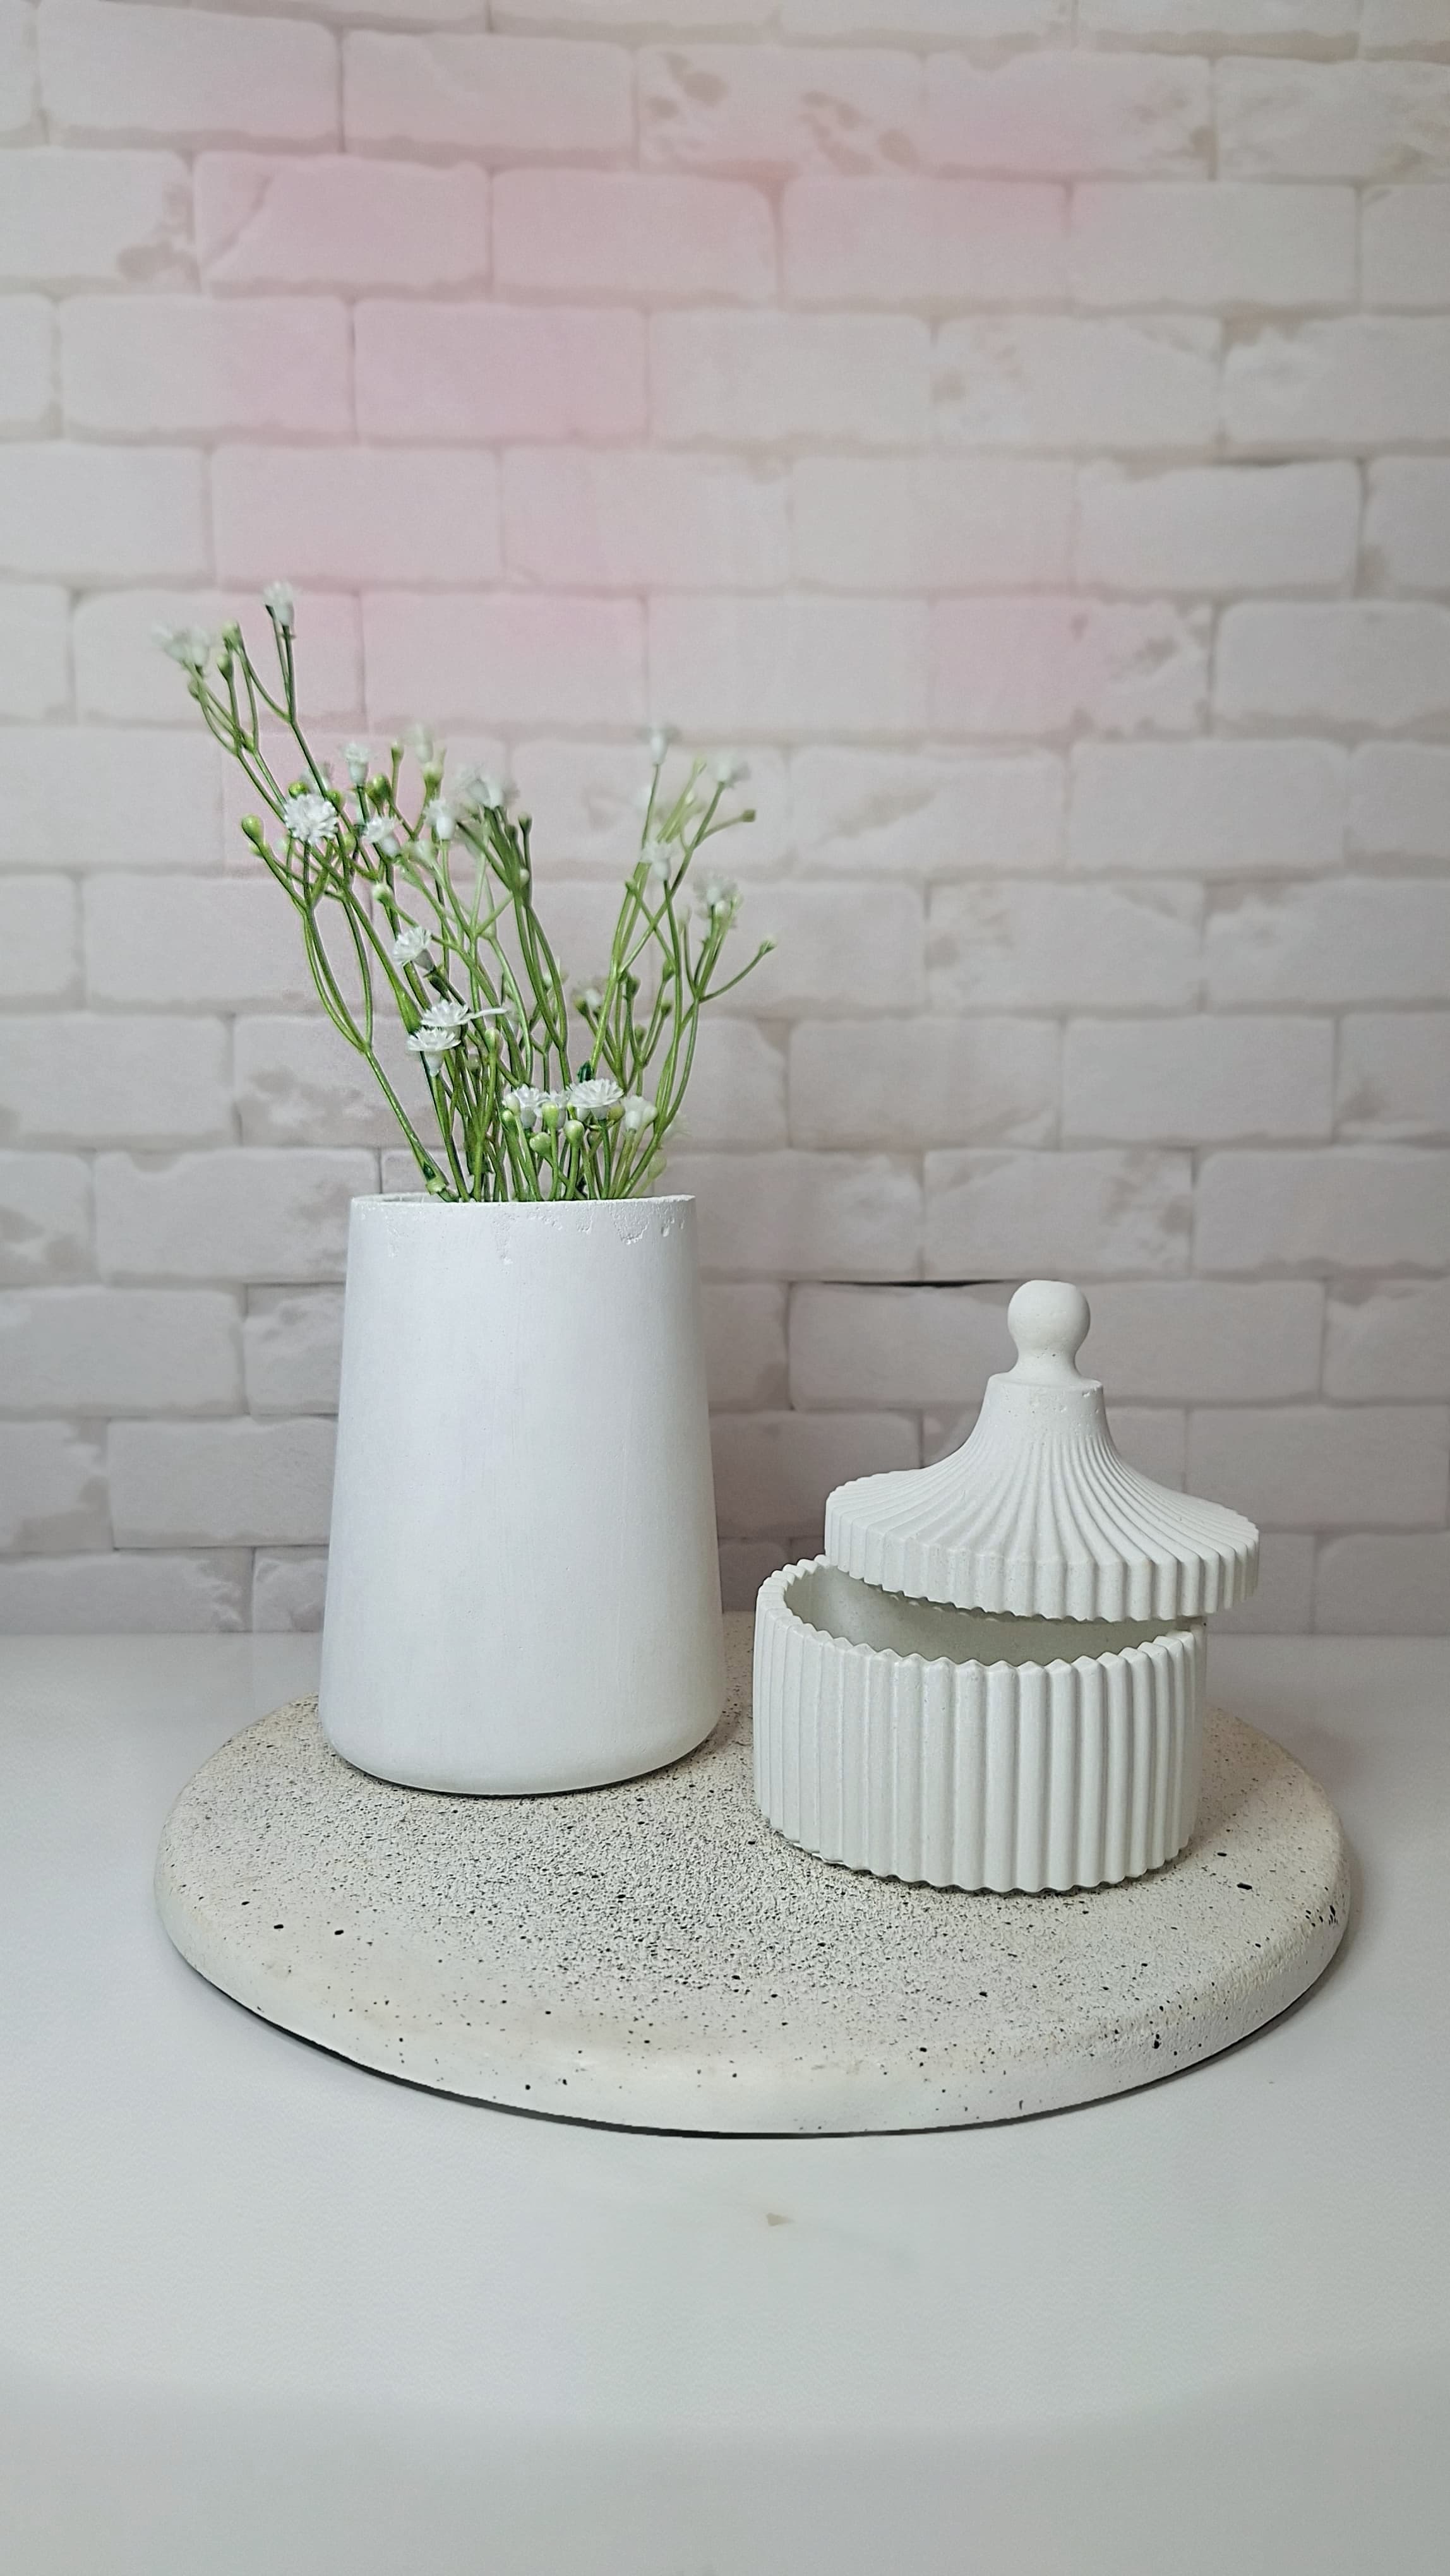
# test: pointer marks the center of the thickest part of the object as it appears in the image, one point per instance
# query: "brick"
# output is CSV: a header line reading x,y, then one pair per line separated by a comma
x,y
1068,382
1364,381
506,98
299,1083
789,666
27,362
1230,245
1388,1339
70,1080
745,1345
1043,665
839,948
121,677
1202,1341
1034,946
1319,1467
1209,809
182,366
894,1346
911,814
745,1563
38,957
34,649
94,219
18,90
1355,939
1061,115
1404,26
737,1087
907,1084
586,232
98,799
505,661
1281,1606
1224,26
52,1489
1345,1207
1399,801
771,113
218,942
141,74
632,519
1066,1216
247,1214
228,1484
686,16
1197,1080
1219,529
804,1216
292,1340
1407,523
125,1594
1370,1586
932,242
1405,246
88,514
585,799
992,21
1352,662
1394,1076
45,1219
289,1587
932,523
773,1471
356,514
748,379
273,225
1381,120
119,1350
498,372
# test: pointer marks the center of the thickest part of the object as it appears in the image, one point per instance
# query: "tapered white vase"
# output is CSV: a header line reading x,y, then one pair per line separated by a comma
x,y
523,1588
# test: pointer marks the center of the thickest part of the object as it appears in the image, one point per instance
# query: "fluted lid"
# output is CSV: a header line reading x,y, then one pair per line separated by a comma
x,y
1036,1513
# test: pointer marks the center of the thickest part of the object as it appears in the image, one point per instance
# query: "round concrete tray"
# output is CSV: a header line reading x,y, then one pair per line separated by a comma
x,y
653,1955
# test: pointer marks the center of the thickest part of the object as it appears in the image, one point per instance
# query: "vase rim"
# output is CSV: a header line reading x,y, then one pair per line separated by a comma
x,y
515,1207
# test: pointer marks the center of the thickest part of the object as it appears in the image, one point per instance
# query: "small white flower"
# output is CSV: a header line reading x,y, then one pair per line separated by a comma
x,y
529,1104
659,741
441,818
411,941
191,646
422,746
448,1014
432,1044
656,856
591,1099
588,997
729,770
311,819
380,834
355,760
720,896
280,605
638,1113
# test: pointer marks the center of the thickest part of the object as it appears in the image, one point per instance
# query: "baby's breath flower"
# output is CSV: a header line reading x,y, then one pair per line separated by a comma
x,y
191,646
588,998
280,605
411,941
441,818
730,770
720,898
638,1113
432,1044
422,746
656,856
380,834
591,1099
355,761
310,818
658,742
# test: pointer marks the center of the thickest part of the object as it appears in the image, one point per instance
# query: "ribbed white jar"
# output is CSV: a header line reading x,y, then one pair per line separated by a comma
x,y
966,1750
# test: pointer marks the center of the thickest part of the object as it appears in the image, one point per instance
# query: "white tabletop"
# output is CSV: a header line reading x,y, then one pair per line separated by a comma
x,y
262,2312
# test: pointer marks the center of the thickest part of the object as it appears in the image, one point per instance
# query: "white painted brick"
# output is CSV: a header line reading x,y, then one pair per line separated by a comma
x,y
1209,809
1206,1341
1404,26
1061,115
480,372
1353,939
289,1587
1364,1207
1232,245
839,948
102,513
292,1340
18,90
95,799
1407,523
1043,665
1394,1076
27,362
360,514
1318,1467
45,1219
634,519
745,1563
1364,381
52,1489
1197,1080
1281,1605
934,242
1153,1440
505,98
766,379
586,232
1384,1587
34,649
523,660
585,799
737,1087
38,951
94,219
182,366
228,1484
1059,381
1399,801
1381,120
894,1346
907,1084
1350,662
1389,1338
1066,1216
273,224
299,1083
909,814
772,113
686,16
773,1471
805,1216
121,677
992,21
248,1214
1405,246
125,1594
932,523
745,1345
214,942
120,1350
1219,529
195,76
1035,946
789,666
1224,26
66,1079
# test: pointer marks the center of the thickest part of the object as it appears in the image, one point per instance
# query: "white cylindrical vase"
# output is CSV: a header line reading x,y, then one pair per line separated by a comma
x,y
523,1588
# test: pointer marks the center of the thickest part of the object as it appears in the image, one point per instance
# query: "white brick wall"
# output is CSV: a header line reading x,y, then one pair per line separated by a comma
x,y
1024,430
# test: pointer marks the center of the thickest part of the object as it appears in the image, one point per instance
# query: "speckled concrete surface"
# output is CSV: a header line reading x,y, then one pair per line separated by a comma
x,y
654,1955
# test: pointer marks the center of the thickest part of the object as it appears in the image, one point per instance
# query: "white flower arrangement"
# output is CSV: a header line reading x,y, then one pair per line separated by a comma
x,y
534,1095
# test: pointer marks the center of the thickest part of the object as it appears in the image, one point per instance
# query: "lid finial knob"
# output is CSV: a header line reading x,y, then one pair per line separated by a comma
x,y
1048,1320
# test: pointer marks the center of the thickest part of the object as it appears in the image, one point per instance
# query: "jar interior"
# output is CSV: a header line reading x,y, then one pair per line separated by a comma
x,y
841,1605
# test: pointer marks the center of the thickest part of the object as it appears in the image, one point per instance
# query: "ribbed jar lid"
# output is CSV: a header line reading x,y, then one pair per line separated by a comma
x,y
1036,1513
